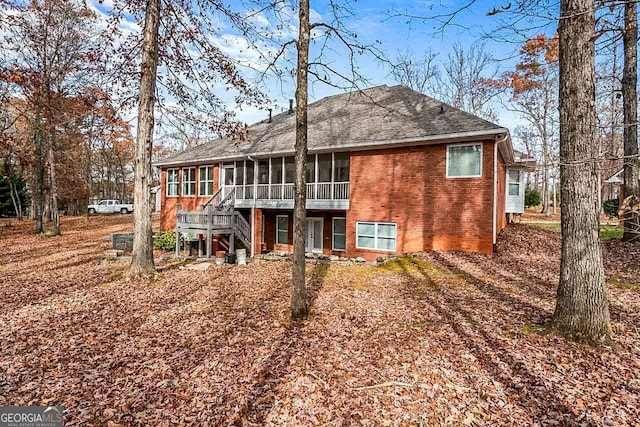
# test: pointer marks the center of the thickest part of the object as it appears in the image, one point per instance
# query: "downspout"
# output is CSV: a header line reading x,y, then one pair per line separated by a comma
x,y
495,189
253,208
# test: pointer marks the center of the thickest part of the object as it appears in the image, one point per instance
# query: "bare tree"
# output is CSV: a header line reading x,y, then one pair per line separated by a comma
x,y
299,303
534,96
50,51
312,63
420,73
178,41
461,80
142,255
464,80
630,108
609,115
582,310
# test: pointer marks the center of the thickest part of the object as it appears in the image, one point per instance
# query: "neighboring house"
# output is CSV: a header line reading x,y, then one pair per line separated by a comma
x,y
390,171
613,186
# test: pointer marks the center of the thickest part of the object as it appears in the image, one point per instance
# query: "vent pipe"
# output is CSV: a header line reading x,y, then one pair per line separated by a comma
x,y
291,106
270,110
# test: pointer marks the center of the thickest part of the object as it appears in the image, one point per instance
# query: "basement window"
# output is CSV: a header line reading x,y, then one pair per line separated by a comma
x,y
376,235
464,161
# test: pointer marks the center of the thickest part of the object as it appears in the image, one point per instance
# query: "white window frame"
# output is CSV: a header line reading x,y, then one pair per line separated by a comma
x,y
375,236
177,183
278,230
185,183
333,233
464,145
518,182
202,185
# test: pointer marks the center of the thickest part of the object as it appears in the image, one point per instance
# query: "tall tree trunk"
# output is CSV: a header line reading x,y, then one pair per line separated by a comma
x,y
142,256
582,310
15,198
87,174
630,112
299,303
546,192
38,181
555,196
54,190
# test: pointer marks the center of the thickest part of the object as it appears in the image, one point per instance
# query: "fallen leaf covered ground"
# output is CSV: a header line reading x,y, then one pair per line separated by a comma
x,y
438,338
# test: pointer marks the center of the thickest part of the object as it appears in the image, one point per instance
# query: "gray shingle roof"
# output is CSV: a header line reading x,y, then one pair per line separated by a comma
x,y
379,116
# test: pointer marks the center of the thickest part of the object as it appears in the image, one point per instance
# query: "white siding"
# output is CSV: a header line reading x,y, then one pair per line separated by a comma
x,y
515,181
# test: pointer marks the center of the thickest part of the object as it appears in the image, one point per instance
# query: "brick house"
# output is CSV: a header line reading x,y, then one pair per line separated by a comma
x,y
390,171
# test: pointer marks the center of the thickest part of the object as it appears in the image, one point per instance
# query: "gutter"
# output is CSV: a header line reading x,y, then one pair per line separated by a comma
x,y
495,188
363,146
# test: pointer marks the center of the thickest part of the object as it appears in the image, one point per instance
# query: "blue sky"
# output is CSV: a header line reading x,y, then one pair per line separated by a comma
x,y
387,22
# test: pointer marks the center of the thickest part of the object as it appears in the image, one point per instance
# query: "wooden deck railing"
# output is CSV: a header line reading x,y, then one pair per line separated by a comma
x,y
285,191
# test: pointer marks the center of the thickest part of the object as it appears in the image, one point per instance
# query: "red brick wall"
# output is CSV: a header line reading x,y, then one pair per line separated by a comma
x,y
409,187
270,230
406,186
257,231
168,212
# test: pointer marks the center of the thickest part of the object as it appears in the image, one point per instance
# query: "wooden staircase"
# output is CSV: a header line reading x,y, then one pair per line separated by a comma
x,y
216,217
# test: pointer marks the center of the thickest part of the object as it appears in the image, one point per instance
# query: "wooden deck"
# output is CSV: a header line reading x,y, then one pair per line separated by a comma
x,y
216,217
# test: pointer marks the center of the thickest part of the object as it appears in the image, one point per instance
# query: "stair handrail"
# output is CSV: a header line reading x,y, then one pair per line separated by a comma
x,y
243,227
215,195
227,202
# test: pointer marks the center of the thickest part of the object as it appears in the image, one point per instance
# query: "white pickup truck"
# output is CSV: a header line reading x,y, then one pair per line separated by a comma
x,y
110,206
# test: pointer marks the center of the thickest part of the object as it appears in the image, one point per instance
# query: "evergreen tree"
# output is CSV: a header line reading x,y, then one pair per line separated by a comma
x,y
12,191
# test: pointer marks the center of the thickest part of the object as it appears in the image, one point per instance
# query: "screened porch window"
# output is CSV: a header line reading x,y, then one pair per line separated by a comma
x,y
341,167
324,167
289,169
311,169
263,172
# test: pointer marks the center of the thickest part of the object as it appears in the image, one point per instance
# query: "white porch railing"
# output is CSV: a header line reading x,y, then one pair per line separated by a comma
x,y
285,191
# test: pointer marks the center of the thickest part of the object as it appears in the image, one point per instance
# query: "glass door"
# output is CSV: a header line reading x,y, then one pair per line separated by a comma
x,y
314,235
227,178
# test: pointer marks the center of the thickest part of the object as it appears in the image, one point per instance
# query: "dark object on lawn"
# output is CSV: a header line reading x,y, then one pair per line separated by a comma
x,y
122,241
611,207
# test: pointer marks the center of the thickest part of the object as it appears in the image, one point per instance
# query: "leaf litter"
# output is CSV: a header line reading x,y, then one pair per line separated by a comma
x,y
436,338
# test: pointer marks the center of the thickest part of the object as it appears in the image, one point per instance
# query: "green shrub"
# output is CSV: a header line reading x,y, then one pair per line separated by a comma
x,y
165,240
611,207
532,197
